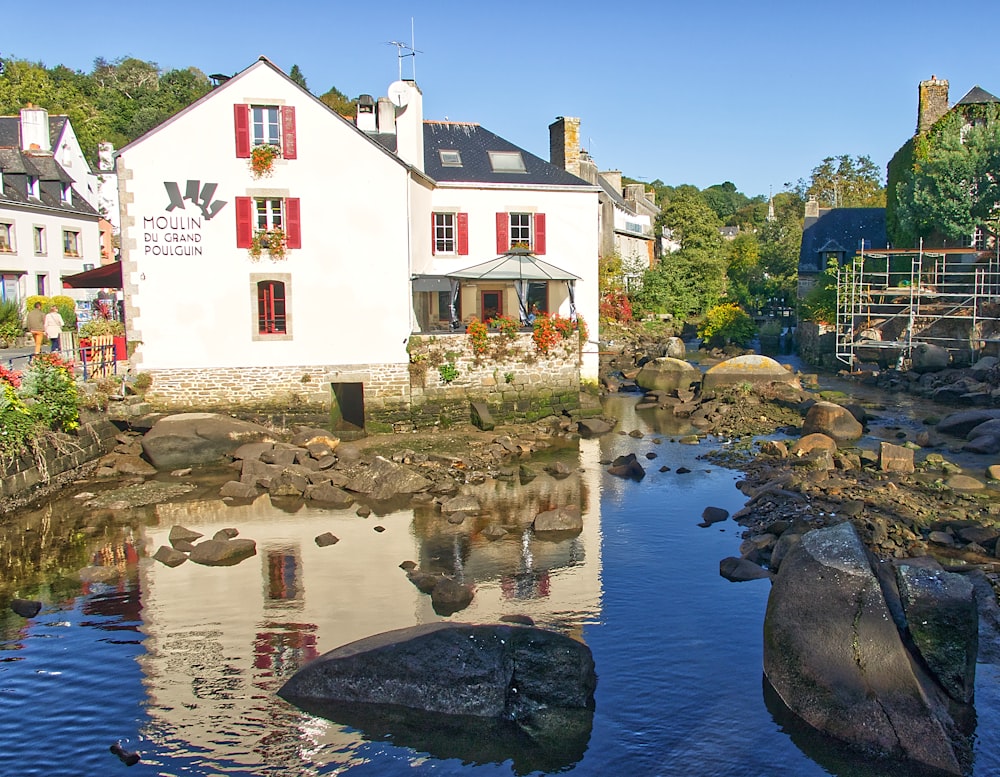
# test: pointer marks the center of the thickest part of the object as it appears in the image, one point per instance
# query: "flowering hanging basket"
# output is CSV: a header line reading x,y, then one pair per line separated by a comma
x,y
274,241
262,160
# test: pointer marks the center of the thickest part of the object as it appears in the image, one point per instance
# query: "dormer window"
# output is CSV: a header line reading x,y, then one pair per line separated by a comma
x,y
67,194
507,162
450,158
33,186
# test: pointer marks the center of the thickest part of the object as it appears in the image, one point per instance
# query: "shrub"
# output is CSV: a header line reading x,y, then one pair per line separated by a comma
x,y
18,428
10,322
727,323
615,306
478,334
506,326
102,326
49,392
144,380
448,372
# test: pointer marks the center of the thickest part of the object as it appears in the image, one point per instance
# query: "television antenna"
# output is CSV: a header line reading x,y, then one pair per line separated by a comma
x,y
404,50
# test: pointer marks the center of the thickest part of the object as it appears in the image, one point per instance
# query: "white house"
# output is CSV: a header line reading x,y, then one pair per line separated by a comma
x,y
308,281
48,229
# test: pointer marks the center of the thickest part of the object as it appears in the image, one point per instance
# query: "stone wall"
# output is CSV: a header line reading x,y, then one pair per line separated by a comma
x,y
512,378
92,441
817,344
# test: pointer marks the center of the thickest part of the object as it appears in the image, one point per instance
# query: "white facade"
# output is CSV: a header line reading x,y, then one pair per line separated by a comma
x,y
192,293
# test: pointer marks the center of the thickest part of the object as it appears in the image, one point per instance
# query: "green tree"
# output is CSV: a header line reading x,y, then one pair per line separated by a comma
x,y
339,102
845,182
780,243
725,201
691,221
296,75
746,280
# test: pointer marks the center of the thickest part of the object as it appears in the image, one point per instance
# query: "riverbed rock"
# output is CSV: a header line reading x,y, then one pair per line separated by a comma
x,y
384,479
667,374
895,458
712,515
593,427
223,553
741,570
961,423
455,669
834,655
185,439
179,533
561,519
832,420
627,466
749,368
816,441
329,495
234,489
171,557
26,608
449,596
928,357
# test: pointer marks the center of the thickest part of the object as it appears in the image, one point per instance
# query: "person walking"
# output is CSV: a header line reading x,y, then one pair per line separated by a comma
x,y
53,328
36,325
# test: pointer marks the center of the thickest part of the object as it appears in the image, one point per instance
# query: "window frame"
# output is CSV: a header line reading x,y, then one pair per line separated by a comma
x,y
441,236
38,239
266,125
526,225
76,242
7,236
33,187
450,157
268,213
507,162
256,287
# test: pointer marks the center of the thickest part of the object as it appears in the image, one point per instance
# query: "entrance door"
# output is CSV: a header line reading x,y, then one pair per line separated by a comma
x,y
491,303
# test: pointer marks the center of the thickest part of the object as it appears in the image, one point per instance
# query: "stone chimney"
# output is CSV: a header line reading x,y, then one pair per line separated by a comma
x,y
564,144
613,178
35,129
588,169
812,208
932,103
634,192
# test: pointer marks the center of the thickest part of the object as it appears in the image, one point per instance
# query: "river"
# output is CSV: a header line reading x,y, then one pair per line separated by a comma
x,y
182,664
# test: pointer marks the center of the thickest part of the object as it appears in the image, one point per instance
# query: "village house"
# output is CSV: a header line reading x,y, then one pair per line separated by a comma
x,y
48,228
291,254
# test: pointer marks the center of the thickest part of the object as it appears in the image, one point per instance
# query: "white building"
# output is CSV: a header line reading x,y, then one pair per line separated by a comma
x,y
48,228
363,228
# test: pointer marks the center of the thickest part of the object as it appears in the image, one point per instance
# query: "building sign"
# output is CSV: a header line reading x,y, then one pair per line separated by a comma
x,y
180,235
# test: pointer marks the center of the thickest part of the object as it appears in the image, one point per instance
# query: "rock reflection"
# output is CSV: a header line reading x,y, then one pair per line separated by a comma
x,y
554,744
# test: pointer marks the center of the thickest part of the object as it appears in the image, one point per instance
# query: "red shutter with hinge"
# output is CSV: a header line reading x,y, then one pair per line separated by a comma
x,y
241,120
289,148
244,222
434,242
463,234
539,233
293,225
503,241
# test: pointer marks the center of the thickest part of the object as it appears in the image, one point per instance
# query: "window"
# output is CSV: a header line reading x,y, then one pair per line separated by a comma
x,y
507,162
6,237
33,186
538,296
67,194
521,231
450,158
451,233
40,285
271,308
71,243
39,239
444,306
258,125
264,213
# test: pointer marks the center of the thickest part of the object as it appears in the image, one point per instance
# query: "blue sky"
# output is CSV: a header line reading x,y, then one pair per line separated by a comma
x,y
756,93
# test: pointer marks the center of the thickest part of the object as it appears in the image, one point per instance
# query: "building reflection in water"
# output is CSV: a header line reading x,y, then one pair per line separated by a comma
x,y
221,640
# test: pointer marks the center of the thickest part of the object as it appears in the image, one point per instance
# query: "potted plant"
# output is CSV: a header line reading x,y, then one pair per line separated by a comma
x,y
274,241
262,160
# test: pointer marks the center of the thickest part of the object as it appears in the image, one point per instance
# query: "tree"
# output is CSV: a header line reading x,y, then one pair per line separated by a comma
x,y
691,221
296,75
780,244
339,102
845,182
725,200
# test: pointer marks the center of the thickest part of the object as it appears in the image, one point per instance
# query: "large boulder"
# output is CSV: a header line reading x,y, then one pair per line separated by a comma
x,y
384,479
928,357
832,420
964,421
834,655
751,368
456,669
186,439
667,374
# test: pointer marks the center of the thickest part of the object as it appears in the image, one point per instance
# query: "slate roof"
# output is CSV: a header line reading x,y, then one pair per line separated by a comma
x,y
616,196
977,96
474,144
840,230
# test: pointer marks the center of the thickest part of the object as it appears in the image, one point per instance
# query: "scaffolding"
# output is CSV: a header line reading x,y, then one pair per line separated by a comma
x,y
888,301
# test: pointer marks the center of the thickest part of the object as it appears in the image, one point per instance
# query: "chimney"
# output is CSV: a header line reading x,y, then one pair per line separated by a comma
x,y
386,116
613,178
409,102
812,208
634,192
588,170
365,119
932,103
35,129
564,144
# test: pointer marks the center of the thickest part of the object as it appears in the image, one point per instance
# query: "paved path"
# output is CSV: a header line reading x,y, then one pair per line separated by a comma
x,y
15,358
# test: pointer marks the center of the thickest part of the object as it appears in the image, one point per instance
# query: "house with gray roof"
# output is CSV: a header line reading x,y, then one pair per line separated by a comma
x,y
836,234
48,228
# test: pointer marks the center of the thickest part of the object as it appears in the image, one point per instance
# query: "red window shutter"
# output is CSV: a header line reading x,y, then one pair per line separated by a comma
x,y
539,233
503,239
463,234
241,116
293,227
244,222
434,242
289,148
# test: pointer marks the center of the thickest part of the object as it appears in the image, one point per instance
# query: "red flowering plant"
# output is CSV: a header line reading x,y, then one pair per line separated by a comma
x,y
549,331
10,377
262,160
478,334
615,306
505,325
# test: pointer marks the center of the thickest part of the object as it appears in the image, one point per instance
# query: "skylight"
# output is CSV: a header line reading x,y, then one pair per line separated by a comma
x,y
450,158
507,162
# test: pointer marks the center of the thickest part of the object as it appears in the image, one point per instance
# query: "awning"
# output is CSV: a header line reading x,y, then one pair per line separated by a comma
x,y
106,276
430,283
514,267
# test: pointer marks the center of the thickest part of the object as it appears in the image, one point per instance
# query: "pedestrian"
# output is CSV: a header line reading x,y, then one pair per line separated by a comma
x,y
53,327
36,325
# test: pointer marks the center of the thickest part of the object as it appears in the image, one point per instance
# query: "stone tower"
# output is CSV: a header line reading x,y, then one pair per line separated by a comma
x,y
932,103
564,144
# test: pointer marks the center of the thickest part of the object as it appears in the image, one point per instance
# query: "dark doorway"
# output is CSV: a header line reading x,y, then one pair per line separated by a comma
x,y
347,411
491,304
